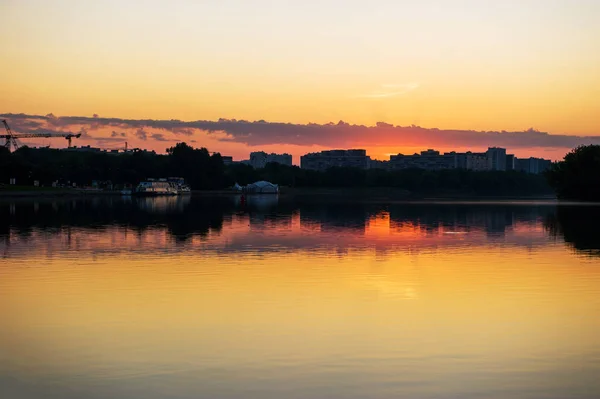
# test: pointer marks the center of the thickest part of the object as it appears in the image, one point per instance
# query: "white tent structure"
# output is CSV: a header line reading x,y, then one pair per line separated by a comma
x,y
262,187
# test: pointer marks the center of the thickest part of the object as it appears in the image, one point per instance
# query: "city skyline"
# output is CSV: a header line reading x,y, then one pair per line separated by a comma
x,y
238,138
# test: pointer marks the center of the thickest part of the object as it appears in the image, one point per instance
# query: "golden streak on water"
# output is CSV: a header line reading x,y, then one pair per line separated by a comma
x,y
297,302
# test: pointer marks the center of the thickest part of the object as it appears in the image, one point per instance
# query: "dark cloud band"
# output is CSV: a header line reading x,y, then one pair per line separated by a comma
x,y
339,134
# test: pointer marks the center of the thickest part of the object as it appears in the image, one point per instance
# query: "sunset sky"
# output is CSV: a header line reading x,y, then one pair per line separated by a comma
x,y
462,70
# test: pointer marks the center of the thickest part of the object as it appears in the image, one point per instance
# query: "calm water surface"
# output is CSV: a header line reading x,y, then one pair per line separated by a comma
x,y
211,298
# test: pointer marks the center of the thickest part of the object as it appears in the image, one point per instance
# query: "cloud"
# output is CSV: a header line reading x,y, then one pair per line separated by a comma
x,y
159,137
84,133
118,134
329,135
108,139
391,90
141,134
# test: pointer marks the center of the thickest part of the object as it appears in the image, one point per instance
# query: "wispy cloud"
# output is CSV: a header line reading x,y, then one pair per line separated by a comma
x,y
118,134
391,90
159,137
141,134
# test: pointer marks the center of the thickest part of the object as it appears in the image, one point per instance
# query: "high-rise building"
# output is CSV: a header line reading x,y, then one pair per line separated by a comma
x,y
532,165
335,158
510,162
260,159
477,161
496,158
376,164
429,160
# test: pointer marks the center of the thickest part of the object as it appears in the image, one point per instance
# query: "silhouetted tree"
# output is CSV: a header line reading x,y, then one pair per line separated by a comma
x,y
204,171
578,226
578,175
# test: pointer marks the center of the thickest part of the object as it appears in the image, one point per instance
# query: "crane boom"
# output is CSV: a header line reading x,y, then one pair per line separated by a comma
x,y
31,135
11,138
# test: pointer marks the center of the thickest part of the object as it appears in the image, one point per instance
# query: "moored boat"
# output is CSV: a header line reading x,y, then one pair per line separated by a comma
x,y
180,185
156,187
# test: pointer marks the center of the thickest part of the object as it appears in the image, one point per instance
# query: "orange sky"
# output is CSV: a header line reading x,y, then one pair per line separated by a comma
x,y
508,66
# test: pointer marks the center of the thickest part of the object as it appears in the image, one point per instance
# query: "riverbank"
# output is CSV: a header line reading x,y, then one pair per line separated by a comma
x,y
380,195
303,193
52,192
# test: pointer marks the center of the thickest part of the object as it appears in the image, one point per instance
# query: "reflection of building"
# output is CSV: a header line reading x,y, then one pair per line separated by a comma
x,y
335,159
494,221
260,159
262,202
336,218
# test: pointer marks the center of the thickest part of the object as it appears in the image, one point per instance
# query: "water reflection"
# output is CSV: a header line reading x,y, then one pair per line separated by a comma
x,y
277,224
166,204
262,202
577,225
268,298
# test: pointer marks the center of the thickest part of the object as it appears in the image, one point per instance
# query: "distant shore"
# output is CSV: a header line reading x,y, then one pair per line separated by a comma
x,y
303,193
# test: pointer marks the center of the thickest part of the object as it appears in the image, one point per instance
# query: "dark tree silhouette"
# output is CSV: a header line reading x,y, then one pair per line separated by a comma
x,y
204,171
577,177
578,226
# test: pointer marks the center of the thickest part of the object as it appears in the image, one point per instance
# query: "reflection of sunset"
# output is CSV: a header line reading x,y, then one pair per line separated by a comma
x,y
255,231
237,293
330,296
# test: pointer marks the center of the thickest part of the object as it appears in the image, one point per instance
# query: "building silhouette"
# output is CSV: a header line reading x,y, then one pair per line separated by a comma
x,y
429,160
335,158
532,165
227,160
260,159
496,158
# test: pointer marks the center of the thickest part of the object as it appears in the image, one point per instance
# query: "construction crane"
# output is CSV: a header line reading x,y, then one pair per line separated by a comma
x,y
124,149
11,138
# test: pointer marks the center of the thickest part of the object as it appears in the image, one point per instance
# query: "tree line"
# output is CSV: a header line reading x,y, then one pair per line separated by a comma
x,y
577,176
200,169
206,171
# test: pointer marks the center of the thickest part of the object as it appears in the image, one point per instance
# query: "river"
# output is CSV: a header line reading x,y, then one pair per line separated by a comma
x,y
199,297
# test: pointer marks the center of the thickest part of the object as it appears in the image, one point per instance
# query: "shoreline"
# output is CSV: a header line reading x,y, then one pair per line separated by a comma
x,y
320,194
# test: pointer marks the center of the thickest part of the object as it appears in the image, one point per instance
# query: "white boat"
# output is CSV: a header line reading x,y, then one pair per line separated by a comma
x,y
156,187
184,189
180,185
